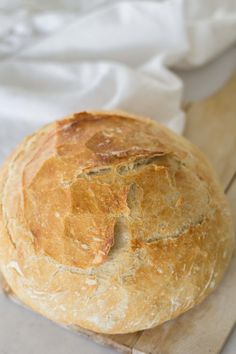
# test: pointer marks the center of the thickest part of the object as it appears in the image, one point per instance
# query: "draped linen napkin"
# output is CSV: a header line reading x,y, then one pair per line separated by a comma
x,y
63,56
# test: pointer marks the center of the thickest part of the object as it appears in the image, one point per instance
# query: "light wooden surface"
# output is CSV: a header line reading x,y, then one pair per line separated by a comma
x,y
211,124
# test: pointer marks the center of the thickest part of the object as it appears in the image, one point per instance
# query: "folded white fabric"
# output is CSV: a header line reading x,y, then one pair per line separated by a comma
x,y
58,59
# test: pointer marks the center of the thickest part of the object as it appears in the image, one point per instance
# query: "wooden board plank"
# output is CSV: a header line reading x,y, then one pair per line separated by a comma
x,y
211,125
121,342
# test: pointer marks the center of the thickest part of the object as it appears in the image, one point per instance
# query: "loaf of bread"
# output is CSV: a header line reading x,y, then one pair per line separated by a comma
x,y
111,222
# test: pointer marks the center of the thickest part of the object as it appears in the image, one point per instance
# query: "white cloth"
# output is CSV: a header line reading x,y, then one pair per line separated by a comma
x,y
76,55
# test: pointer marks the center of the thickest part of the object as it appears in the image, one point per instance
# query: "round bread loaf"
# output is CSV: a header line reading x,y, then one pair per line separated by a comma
x,y
111,222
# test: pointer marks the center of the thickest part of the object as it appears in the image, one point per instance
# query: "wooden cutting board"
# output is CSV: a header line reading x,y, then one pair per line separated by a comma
x,y
211,124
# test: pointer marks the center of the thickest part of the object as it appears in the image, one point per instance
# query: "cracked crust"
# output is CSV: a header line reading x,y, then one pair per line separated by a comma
x,y
111,222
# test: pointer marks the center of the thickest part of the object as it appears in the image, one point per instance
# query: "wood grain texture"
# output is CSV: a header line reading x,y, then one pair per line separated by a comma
x,y
211,125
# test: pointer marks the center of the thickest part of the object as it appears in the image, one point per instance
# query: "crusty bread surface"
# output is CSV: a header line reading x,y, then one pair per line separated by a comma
x,y
111,222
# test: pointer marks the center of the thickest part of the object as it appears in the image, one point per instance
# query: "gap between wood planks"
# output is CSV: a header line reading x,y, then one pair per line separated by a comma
x,y
231,181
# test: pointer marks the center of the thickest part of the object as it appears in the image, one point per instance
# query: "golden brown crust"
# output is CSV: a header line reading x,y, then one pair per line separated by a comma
x,y
111,222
